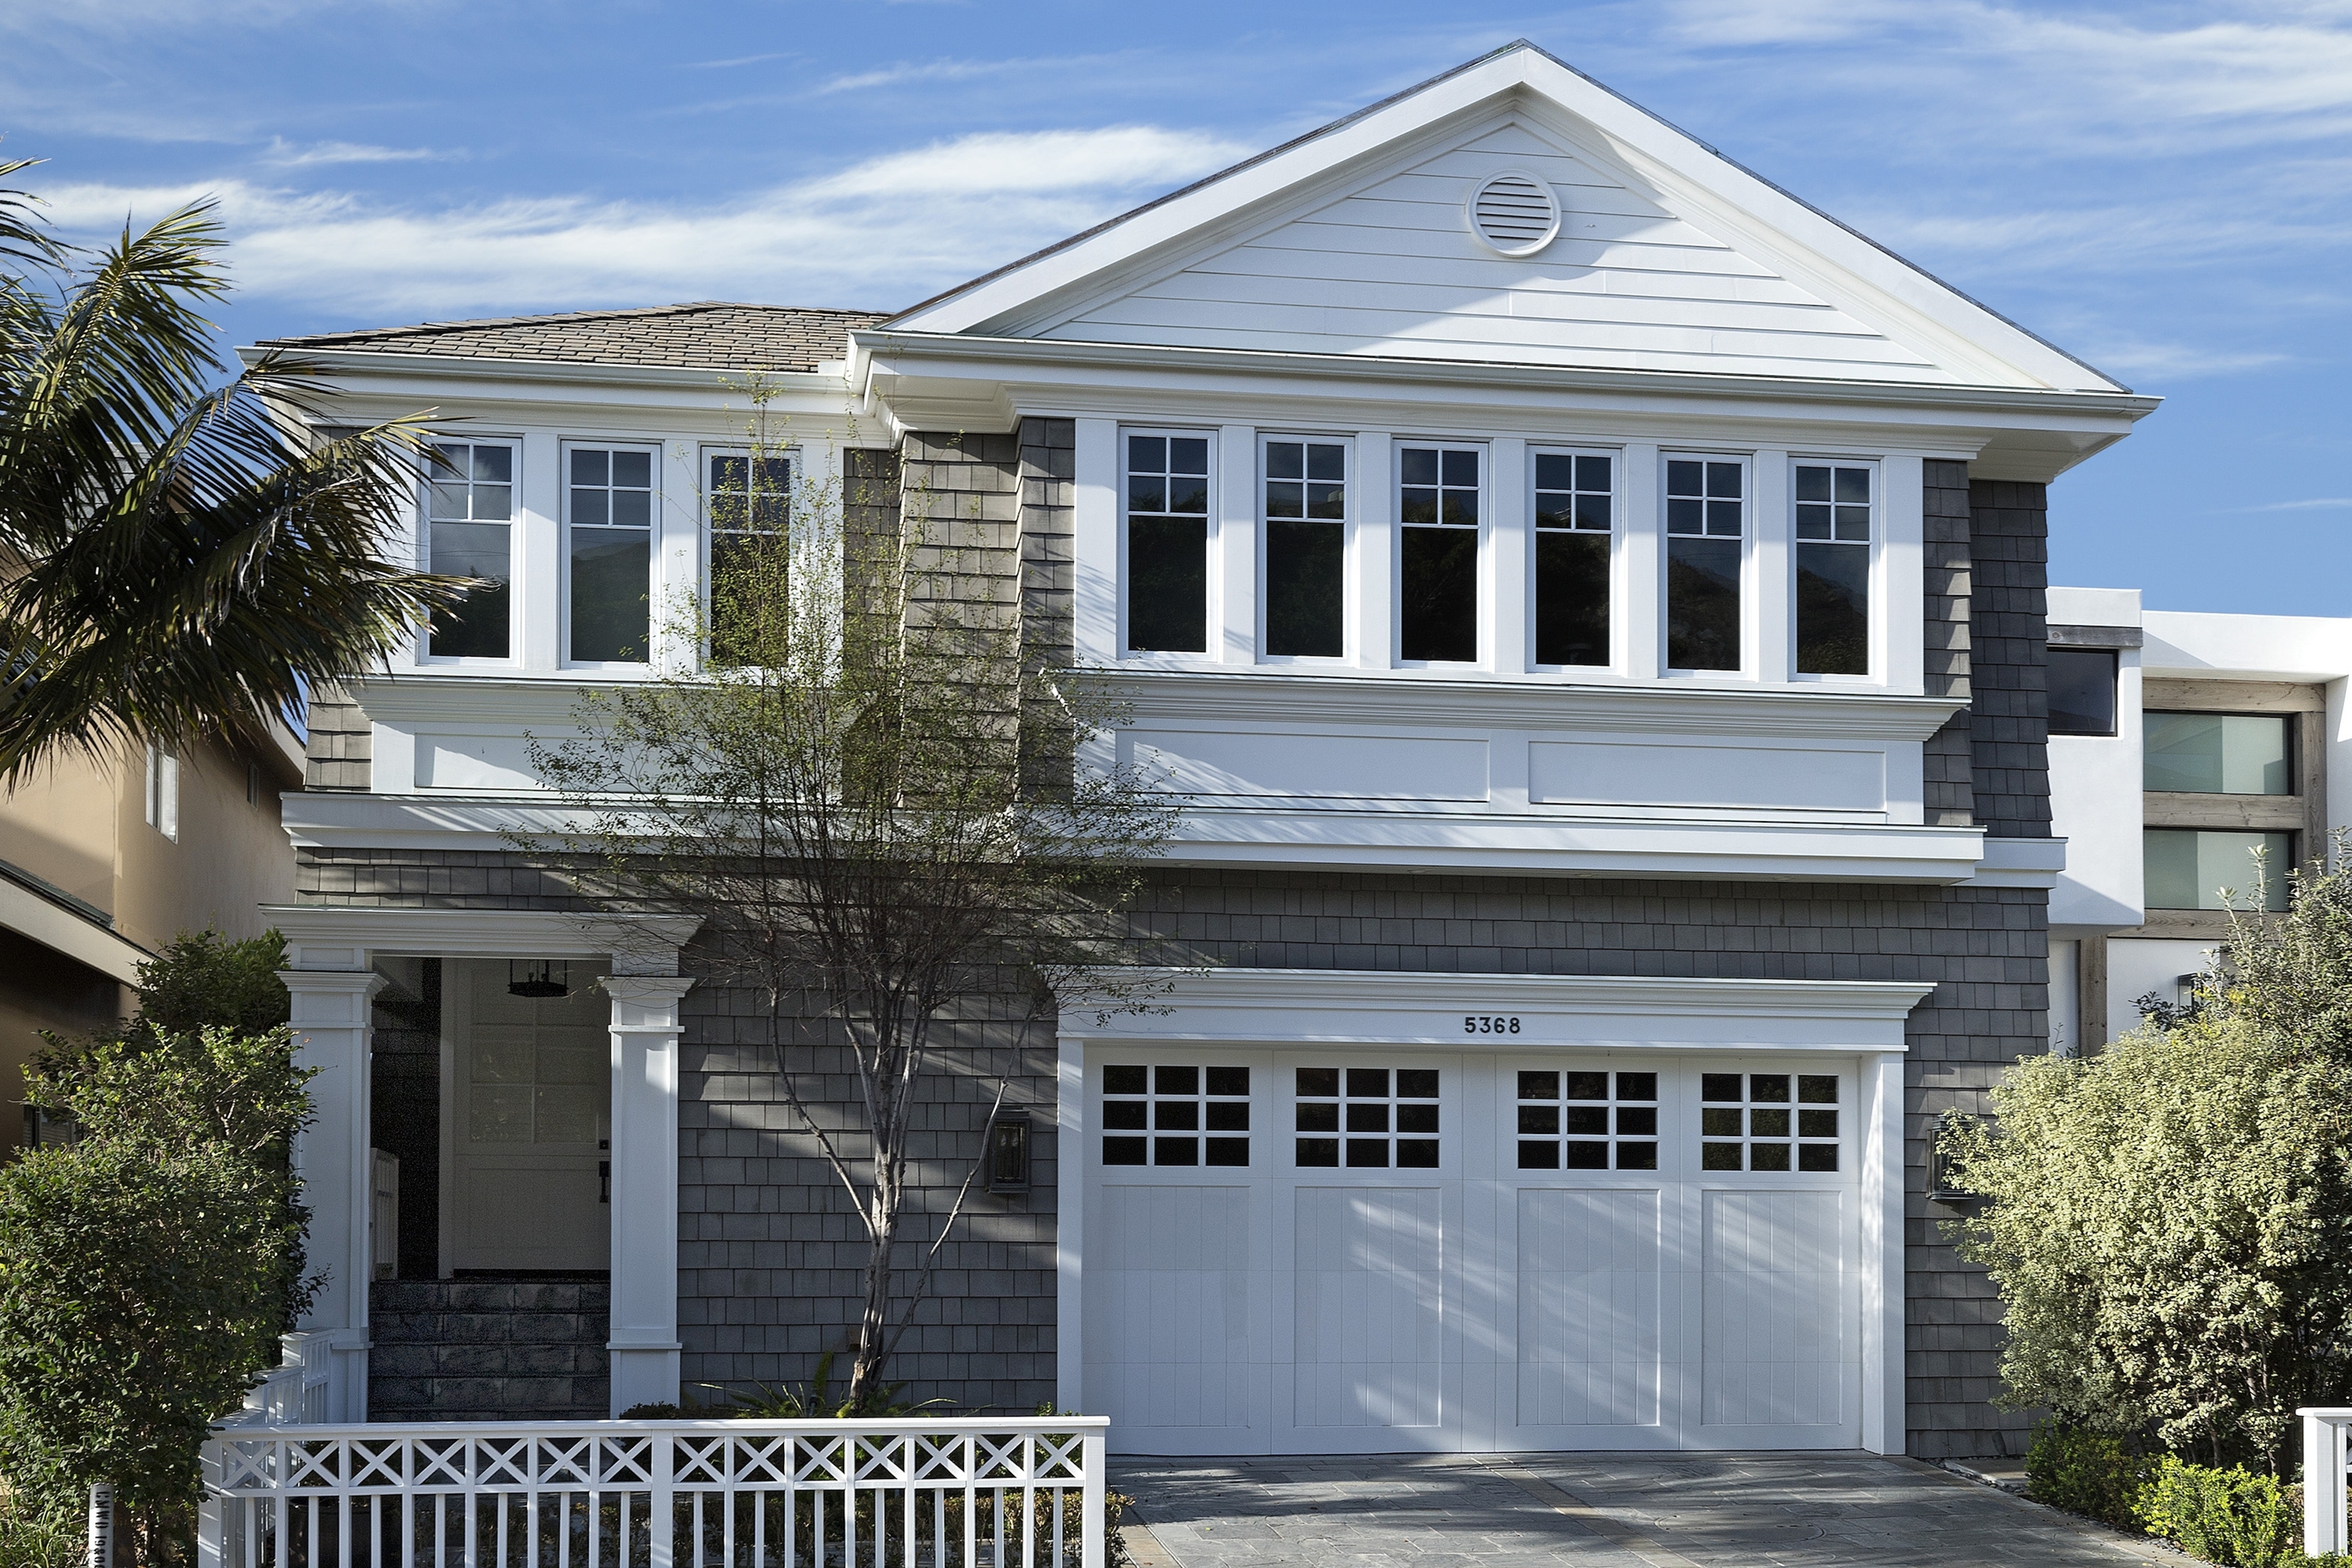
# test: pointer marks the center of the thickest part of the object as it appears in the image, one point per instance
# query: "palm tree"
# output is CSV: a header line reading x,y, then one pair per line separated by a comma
x,y
179,550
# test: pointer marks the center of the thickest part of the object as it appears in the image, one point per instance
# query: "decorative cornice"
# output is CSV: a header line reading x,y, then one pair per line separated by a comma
x,y
341,937
1280,1006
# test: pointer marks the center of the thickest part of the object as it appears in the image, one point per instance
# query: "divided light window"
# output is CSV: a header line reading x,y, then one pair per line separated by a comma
x,y
1574,504
1166,544
469,532
1175,1115
1374,1117
609,516
1437,578
1706,514
750,499
1834,504
1305,492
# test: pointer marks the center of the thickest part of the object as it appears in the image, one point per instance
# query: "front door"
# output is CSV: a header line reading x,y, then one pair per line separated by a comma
x,y
526,1115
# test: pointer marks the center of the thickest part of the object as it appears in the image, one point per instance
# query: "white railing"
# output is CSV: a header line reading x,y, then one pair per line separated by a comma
x,y
2324,1465
958,1492
294,1391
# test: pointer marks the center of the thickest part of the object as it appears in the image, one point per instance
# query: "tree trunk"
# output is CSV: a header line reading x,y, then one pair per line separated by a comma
x,y
874,1319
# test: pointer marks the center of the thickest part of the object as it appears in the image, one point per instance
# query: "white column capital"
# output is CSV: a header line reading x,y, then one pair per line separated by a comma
x,y
652,992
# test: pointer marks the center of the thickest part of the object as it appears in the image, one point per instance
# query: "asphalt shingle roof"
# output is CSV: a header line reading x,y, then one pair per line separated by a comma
x,y
711,334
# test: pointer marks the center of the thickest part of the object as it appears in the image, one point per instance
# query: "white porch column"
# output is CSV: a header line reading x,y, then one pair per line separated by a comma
x,y
333,1033
643,1342
1884,1417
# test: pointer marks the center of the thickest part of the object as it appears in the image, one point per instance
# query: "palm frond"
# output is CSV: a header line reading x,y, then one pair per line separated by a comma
x,y
184,551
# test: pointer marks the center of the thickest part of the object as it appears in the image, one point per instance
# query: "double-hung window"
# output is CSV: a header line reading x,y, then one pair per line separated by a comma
x,y
748,497
1438,563
1574,512
1166,543
1706,517
608,518
1305,494
469,532
1833,528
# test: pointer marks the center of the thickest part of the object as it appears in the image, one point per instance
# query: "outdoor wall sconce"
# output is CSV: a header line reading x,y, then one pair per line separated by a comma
x,y
538,977
1008,1152
1943,1185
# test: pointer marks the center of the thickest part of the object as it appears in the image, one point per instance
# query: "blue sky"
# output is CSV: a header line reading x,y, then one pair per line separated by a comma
x,y
2165,190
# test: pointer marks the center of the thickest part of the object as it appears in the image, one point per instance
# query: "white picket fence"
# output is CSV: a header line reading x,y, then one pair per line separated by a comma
x,y
2325,1461
958,1492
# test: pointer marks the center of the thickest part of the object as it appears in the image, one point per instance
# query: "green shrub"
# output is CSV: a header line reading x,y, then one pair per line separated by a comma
x,y
2087,1472
204,979
2231,1517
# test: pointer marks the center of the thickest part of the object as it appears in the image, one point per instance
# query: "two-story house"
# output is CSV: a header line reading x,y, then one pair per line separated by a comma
x,y
1595,604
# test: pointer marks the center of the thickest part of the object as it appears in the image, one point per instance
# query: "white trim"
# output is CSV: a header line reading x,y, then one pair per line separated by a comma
x,y
1879,1100
1069,1224
643,1342
2020,862
1352,486
61,931
1278,1006
655,452
345,937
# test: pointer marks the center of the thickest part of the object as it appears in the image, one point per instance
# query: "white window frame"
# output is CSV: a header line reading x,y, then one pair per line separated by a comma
x,y
656,452
1349,639
795,538
1874,572
1617,534
515,591
1212,554
1750,610
1487,610
163,791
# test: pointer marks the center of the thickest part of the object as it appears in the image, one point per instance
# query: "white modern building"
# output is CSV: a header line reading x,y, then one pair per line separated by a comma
x,y
1596,604
2180,743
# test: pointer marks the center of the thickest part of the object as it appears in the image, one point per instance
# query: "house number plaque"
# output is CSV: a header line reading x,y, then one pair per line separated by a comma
x,y
1489,1023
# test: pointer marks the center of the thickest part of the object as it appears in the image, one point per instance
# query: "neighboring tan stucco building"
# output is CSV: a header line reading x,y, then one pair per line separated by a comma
x,y
103,861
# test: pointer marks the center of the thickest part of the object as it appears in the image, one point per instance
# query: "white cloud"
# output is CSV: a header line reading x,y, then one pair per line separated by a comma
x,y
283,154
882,233
2317,503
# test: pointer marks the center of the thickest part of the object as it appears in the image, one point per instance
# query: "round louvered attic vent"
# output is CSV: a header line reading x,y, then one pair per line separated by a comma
x,y
1514,213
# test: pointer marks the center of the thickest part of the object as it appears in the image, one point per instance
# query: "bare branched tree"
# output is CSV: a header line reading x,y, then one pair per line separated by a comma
x,y
847,768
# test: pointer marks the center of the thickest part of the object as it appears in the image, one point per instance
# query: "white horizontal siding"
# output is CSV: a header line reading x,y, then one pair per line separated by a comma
x,y
1393,268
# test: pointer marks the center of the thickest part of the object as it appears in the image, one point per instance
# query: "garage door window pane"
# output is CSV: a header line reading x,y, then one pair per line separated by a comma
x,y
1588,1121
1768,1121
1177,1102
1390,1119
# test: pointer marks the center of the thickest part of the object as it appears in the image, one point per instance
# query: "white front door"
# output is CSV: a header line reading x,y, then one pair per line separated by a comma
x,y
1378,1251
526,1115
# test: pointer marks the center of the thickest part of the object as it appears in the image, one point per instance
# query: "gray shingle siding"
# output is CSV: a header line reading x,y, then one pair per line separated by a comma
x,y
1950,779
2009,731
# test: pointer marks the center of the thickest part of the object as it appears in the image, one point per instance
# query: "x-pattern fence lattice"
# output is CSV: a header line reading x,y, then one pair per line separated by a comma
x,y
950,1493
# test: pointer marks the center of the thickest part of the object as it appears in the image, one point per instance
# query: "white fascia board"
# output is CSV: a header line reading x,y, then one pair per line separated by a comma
x,y
2094,606
1300,839
945,381
343,937
1564,844
1816,249
386,386
1355,1006
1407,696
61,931
2021,863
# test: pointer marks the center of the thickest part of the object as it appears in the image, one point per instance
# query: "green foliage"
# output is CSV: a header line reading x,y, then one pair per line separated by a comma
x,y
2086,1472
181,554
136,1285
2170,1222
816,1401
31,1538
2170,1226
204,978
2231,1517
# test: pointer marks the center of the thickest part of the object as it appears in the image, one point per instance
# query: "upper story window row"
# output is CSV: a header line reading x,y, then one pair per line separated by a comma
x,y
609,594
1441,586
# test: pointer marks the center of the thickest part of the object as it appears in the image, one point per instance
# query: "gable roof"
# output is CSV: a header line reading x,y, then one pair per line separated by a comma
x,y
708,334
1142,278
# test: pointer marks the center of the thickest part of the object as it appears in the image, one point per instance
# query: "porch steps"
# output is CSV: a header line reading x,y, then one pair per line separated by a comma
x,y
483,1349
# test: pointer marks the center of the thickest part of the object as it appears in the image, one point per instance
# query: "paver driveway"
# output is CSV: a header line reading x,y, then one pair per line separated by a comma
x,y
1603,1511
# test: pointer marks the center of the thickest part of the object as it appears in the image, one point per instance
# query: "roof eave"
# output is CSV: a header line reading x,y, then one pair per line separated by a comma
x,y
494,367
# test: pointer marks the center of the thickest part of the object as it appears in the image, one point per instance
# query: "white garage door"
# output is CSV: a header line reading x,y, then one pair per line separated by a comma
x,y
1294,1253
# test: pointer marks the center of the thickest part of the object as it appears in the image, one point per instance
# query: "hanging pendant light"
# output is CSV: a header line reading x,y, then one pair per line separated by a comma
x,y
538,977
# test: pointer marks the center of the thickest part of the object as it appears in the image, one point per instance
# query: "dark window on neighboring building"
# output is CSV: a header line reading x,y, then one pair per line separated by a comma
x,y
2082,691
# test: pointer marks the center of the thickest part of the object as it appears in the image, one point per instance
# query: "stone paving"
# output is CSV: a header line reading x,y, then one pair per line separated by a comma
x,y
1597,1510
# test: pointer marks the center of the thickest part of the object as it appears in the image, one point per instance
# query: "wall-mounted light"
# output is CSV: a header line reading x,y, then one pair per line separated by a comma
x,y
538,977
1008,1151
1943,1182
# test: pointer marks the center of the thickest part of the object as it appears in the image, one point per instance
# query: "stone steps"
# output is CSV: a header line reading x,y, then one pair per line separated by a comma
x,y
487,1350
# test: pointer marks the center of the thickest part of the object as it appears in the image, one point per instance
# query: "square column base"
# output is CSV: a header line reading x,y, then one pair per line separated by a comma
x,y
643,1374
